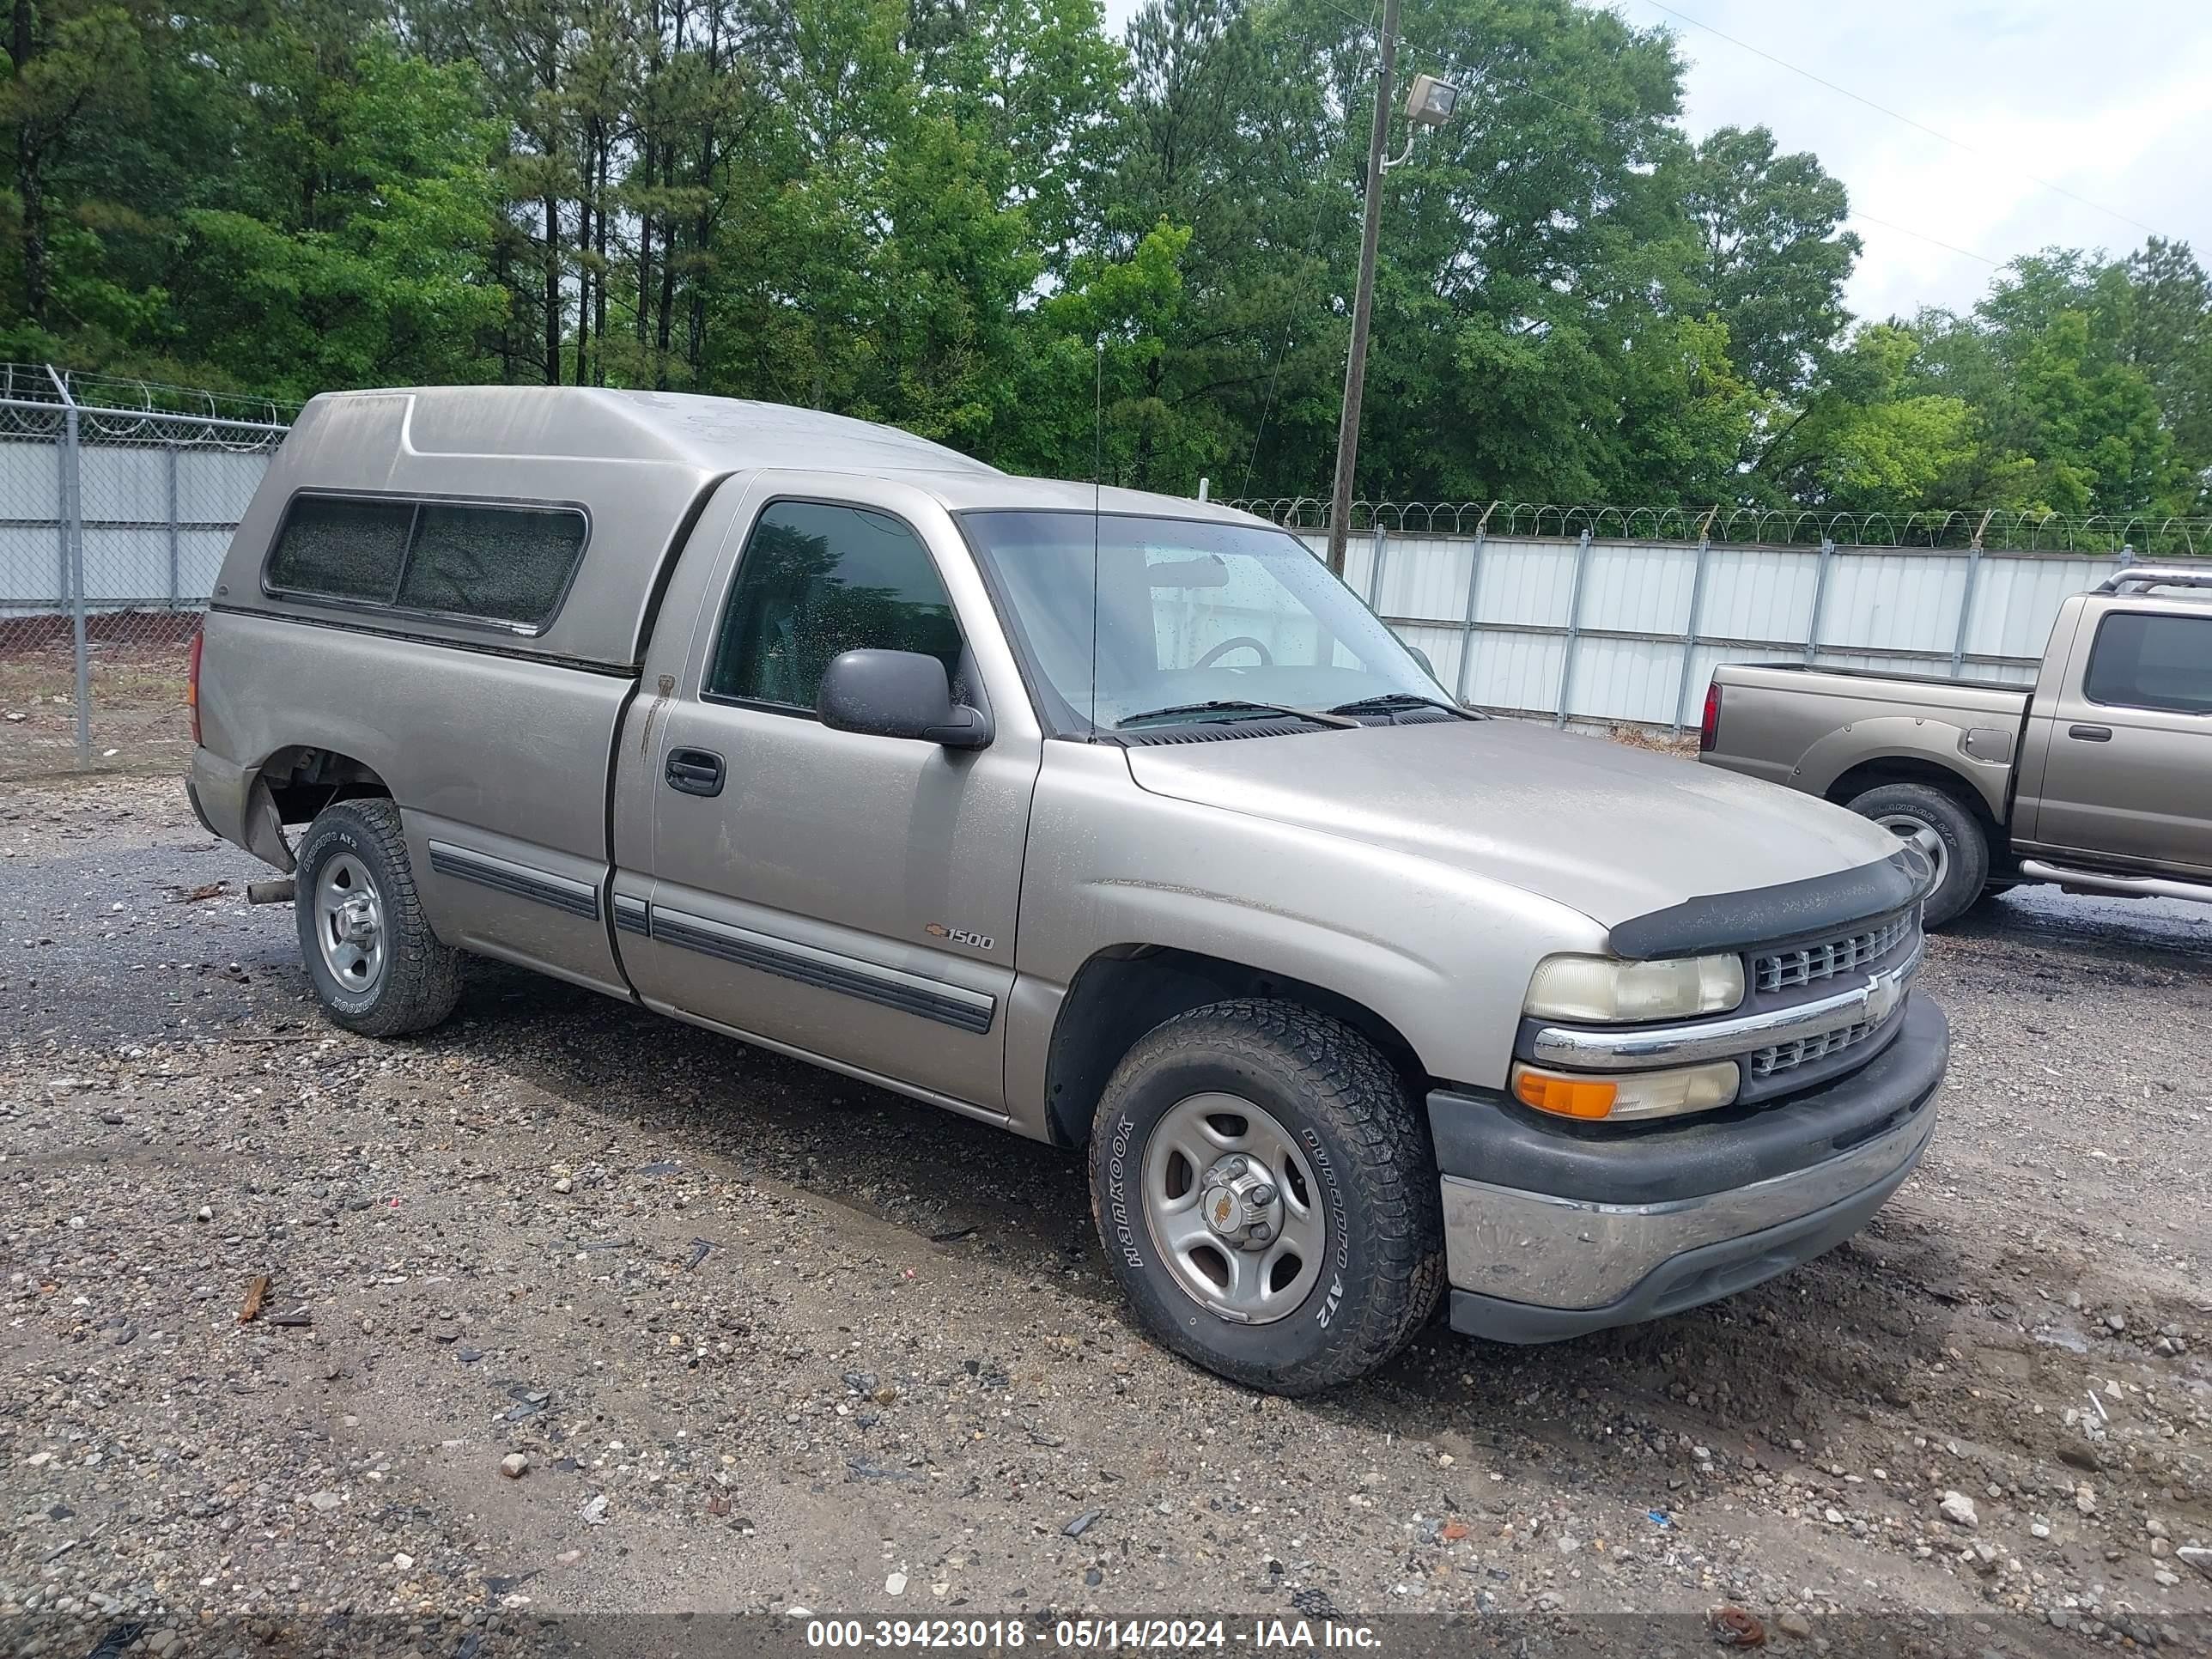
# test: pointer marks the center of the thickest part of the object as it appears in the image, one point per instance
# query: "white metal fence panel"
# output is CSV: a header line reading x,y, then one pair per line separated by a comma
x,y
114,521
1631,631
117,505
1888,600
2014,600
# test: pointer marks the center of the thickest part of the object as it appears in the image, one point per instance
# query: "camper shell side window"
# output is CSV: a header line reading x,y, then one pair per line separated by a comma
x,y
504,565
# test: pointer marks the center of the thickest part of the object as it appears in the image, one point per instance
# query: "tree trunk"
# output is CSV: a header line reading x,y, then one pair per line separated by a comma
x,y
30,182
584,263
599,300
552,290
667,275
502,273
645,254
703,228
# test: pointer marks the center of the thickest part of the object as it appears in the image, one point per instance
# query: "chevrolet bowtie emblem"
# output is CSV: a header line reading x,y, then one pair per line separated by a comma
x,y
1884,992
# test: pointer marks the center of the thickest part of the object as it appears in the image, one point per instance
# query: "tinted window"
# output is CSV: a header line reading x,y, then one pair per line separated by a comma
x,y
348,550
498,564
502,563
2146,661
817,580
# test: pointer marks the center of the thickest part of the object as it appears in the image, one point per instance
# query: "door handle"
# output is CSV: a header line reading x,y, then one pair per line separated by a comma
x,y
694,771
2091,733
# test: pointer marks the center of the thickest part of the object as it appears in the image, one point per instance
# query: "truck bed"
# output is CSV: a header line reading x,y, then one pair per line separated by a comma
x,y
1809,727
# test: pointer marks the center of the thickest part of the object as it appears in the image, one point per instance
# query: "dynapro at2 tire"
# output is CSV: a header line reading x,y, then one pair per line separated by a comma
x,y
420,978
1353,1124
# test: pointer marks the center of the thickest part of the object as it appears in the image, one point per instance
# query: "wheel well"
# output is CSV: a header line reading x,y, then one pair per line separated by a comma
x,y
304,780
1127,990
1905,768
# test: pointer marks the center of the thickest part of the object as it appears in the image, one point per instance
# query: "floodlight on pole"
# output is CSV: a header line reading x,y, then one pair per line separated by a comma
x,y
1429,103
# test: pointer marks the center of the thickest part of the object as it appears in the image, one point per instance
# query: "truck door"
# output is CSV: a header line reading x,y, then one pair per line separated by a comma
x,y
2128,772
848,897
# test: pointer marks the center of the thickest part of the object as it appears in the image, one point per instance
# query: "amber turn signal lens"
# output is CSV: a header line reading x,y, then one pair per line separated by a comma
x,y
1567,1096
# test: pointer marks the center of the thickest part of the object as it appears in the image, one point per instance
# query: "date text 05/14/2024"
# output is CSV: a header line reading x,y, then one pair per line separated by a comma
x,y
1089,1634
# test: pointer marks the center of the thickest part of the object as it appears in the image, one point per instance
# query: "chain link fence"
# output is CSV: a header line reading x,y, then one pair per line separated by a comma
x,y
117,498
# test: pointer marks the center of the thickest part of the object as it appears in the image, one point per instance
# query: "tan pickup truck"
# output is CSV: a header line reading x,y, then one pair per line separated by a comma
x,y
2099,779
1108,818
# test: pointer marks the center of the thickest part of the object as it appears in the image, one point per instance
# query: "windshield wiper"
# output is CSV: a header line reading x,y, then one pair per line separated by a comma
x,y
1391,701
1233,709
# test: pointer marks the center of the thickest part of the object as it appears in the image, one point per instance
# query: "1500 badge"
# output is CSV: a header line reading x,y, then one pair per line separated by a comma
x,y
959,935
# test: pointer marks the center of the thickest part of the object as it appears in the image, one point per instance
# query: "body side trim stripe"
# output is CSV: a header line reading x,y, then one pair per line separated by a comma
x,y
524,881
913,993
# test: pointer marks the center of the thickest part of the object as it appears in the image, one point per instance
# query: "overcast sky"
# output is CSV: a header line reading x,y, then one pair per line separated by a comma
x,y
2112,102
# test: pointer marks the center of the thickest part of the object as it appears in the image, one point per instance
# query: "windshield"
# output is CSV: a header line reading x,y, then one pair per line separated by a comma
x,y
1188,613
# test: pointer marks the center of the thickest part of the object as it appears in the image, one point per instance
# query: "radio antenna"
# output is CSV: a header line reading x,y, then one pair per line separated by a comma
x,y
1097,489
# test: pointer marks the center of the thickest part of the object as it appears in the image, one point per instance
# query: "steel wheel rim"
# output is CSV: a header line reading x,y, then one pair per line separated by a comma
x,y
349,914
1246,1282
1921,835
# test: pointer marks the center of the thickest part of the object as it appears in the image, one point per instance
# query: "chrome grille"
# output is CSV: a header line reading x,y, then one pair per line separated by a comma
x,y
1808,965
1786,1056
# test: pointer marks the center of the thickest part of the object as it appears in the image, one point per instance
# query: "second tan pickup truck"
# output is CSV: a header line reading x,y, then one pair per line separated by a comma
x,y
2097,779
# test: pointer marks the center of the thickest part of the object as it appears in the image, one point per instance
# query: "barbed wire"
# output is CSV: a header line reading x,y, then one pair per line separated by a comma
x,y
45,383
35,402
1992,529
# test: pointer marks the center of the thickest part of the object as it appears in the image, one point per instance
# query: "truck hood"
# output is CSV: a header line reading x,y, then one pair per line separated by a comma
x,y
1612,832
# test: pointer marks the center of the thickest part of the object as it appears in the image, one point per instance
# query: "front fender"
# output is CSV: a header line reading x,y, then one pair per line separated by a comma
x,y
1441,955
1979,756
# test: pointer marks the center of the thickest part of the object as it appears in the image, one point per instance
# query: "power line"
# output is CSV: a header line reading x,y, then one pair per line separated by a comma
x,y
1897,115
1902,230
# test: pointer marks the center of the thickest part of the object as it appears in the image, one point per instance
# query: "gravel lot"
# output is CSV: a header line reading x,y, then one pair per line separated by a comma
x,y
766,1338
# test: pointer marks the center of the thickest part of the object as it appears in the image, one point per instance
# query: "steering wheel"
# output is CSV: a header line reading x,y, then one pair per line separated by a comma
x,y
1267,657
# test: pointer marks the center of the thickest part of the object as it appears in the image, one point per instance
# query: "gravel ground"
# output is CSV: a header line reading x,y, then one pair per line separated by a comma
x,y
759,1338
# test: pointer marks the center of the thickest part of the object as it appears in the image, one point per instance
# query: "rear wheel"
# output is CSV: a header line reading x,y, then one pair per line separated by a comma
x,y
1266,1196
1942,830
376,966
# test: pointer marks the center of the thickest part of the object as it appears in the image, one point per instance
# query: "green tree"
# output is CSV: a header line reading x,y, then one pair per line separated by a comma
x,y
1771,257
1872,438
378,273
2166,332
71,64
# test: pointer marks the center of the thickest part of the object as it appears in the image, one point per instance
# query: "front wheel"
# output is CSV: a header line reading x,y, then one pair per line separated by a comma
x,y
1944,832
1265,1190
376,966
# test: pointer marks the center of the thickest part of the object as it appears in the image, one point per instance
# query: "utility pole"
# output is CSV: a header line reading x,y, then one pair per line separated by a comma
x,y
1362,302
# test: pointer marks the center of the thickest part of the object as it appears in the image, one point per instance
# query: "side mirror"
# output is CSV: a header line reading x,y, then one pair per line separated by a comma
x,y
1422,658
898,694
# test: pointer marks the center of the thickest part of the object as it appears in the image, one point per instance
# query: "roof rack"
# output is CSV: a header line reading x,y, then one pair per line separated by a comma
x,y
2141,577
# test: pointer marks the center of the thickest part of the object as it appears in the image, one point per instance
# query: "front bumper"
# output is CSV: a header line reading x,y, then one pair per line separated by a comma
x,y
1552,1229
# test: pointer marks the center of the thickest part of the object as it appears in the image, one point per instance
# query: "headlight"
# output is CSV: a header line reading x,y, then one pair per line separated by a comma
x,y
1628,1094
1607,988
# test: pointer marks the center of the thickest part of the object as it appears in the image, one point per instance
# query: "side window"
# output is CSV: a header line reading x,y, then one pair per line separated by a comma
x,y
503,563
506,565
341,549
2142,660
816,580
